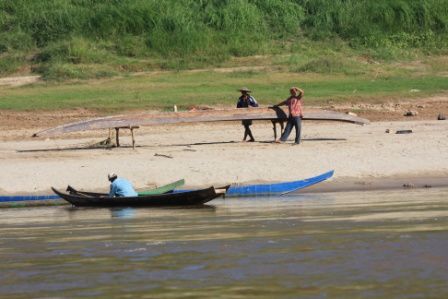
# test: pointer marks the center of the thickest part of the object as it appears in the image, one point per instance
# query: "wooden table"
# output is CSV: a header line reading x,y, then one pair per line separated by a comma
x,y
117,134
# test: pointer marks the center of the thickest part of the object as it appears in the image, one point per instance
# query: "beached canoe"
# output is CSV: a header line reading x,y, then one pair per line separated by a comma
x,y
273,189
163,118
53,197
191,198
276,188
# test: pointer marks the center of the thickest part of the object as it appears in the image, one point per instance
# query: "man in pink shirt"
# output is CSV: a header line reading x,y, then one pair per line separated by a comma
x,y
294,103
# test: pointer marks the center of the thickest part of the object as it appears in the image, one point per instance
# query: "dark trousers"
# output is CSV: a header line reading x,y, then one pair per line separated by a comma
x,y
295,122
247,131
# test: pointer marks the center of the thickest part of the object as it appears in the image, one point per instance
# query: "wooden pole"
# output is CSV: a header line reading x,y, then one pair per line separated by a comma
x,y
132,134
117,138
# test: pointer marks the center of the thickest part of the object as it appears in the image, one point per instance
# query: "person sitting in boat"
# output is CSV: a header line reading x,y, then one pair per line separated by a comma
x,y
245,101
120,187
294,103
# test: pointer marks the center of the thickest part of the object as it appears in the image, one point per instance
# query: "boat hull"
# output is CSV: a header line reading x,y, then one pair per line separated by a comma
x,y
277,188
197,197
162,118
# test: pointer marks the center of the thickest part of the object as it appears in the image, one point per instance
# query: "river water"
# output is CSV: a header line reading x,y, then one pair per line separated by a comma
x,y
390,244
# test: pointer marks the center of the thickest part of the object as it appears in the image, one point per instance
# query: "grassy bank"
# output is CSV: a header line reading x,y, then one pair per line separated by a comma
x,y
87,39
162,90
88,51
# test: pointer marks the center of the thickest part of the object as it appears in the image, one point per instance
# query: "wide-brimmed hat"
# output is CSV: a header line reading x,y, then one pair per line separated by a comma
x,y
297,90
245,89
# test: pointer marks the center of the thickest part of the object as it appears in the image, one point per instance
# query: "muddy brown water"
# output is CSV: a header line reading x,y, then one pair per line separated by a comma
x,y
391,244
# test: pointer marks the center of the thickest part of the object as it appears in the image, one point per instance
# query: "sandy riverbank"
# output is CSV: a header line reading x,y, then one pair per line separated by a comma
x,y
206,154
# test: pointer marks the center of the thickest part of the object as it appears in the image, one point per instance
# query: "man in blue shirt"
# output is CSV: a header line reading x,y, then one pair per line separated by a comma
x,y
120,187
245,101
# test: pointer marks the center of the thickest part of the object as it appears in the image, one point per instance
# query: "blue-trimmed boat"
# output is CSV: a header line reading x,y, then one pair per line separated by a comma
x,y
28,197
276,188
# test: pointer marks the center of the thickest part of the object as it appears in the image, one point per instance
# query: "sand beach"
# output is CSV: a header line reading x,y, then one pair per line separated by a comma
x,y
363,157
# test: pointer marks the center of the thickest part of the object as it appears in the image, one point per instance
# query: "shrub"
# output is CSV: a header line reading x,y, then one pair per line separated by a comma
x,y
64,71
199,32
10,64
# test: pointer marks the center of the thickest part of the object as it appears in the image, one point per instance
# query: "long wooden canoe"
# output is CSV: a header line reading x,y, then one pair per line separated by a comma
x,y
160,118
275,188
196,197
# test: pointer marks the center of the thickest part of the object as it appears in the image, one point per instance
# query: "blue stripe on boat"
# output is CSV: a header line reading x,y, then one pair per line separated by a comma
x,y
272,189
277,188
27,197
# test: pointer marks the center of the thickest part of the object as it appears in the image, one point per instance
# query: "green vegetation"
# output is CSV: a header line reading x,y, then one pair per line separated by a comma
x,y
338,50
377,83
84,39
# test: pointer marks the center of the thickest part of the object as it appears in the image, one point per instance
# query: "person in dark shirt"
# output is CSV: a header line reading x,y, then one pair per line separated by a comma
x,y
245,101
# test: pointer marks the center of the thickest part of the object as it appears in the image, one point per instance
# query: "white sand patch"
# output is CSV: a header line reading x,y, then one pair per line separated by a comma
x,y
206,154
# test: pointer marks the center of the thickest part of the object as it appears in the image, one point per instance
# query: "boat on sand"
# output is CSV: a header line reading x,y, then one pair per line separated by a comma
x,y
276,188
273,189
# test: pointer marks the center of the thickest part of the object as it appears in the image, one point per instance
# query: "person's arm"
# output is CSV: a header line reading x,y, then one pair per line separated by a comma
x,y
282,103
112,191
239,104
253,102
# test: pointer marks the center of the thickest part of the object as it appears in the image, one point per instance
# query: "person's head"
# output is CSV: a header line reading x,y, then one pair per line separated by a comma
x,y
296,92
245,91
111,177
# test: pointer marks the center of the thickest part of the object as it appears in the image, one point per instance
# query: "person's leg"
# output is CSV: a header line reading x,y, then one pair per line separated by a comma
x,y
246,131
298,126
274,127
249,132
287,131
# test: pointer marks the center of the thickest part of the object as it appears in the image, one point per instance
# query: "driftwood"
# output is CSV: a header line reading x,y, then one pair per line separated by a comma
x,y
150,119
163,155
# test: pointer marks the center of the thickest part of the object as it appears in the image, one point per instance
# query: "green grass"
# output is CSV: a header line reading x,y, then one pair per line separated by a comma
x,y
85,39
184,89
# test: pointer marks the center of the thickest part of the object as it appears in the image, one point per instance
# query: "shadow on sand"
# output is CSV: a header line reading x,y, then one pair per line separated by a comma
x,y
86,148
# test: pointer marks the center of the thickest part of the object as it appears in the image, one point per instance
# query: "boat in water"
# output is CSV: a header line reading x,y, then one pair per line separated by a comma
x,y
189,198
